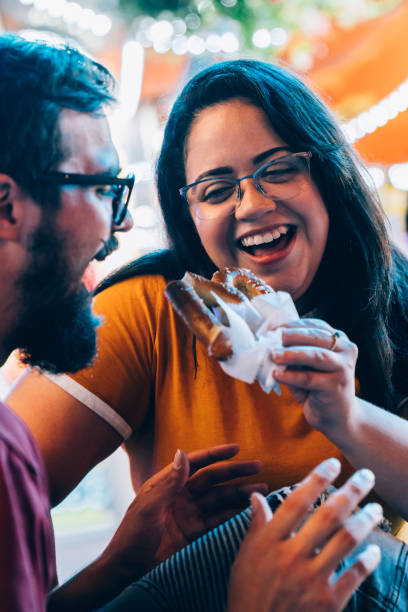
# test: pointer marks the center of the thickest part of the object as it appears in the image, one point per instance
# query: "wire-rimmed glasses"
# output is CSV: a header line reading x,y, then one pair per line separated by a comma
x,y
280,179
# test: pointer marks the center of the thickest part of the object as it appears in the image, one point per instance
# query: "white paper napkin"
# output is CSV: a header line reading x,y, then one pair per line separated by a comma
x,y
254,330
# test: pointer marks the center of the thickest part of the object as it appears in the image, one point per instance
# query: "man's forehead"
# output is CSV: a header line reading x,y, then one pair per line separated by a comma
x,y
87,144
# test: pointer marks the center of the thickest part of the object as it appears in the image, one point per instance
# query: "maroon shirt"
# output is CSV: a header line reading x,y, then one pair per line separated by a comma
x,y
27,552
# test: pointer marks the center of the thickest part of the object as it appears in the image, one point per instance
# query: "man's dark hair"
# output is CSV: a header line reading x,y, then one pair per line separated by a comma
x,y
37,80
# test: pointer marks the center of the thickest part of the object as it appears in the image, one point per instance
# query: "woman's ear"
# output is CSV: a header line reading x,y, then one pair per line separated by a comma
x,y
11,208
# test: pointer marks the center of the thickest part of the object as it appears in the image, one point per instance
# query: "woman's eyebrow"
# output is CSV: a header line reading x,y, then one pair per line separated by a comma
x,y
260,158
229,170
215,172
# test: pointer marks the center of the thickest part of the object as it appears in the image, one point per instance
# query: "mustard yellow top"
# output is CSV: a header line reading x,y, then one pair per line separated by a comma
x,y
145,371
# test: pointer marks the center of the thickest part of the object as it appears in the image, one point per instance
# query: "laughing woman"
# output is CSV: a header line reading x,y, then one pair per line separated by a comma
x,y
254,172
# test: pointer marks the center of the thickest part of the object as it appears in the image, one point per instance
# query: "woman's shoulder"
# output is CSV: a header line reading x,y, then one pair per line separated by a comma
x,y
144,278
132,295
164,263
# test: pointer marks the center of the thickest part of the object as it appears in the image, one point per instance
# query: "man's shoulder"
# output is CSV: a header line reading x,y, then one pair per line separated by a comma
x,y
15,436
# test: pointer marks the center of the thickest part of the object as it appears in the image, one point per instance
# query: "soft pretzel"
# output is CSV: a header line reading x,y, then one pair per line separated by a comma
x,y
243,280
192,298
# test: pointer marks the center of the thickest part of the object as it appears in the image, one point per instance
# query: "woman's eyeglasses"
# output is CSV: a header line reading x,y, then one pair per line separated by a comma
x,y
280,179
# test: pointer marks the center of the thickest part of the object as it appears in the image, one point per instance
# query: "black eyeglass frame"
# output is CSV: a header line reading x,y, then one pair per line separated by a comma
x,y
119,207
305,154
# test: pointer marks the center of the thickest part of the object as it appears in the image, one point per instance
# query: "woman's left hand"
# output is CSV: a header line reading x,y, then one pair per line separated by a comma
x,y
317,363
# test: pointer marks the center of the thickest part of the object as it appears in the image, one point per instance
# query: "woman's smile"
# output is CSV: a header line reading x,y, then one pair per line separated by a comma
x,y
281,240
268,245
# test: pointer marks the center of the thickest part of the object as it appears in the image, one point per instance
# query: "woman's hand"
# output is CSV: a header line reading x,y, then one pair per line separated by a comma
x,y
317,363
279,570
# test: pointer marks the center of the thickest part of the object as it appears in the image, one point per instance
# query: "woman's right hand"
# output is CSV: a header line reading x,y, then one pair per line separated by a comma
x,y
280,570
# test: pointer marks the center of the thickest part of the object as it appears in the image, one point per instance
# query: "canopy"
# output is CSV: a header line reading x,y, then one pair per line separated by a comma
x,y
363,65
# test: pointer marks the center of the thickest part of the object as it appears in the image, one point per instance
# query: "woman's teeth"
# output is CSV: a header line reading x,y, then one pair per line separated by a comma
x,y
266,237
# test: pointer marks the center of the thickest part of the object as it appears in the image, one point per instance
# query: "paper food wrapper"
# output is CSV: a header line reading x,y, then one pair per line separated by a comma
x,y
254,330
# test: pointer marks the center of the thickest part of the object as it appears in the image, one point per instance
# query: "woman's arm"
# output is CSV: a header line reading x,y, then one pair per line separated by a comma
x,y
376,438
323,381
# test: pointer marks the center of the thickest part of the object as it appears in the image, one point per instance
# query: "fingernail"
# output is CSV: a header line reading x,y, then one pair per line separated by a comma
x,y
370,557
279,370
178,459
372,512
254,499
364,520
277,353
363,479
329,468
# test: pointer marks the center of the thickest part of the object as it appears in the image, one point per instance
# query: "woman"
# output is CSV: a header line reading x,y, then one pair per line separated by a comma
x,y
323,239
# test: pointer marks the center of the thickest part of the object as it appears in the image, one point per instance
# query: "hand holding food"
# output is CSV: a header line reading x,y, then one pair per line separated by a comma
x,y
317,363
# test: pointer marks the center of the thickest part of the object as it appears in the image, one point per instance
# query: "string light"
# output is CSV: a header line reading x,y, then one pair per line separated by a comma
x,y
73,14
378,115
398,175
261,38
164,35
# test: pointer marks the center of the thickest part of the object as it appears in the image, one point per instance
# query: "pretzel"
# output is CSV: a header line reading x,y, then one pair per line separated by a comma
x,y
243,280
192,298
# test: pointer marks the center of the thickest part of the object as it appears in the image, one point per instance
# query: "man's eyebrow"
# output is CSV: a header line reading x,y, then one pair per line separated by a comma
x,y
229,170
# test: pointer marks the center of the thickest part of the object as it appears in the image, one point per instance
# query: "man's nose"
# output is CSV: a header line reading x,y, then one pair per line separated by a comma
x,y
126,224
253,203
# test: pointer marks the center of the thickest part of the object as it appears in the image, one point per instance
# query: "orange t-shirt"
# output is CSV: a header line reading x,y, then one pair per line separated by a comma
x,y
144,370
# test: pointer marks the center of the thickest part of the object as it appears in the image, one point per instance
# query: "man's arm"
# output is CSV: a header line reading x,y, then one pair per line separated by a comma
x,y
27,555
187,496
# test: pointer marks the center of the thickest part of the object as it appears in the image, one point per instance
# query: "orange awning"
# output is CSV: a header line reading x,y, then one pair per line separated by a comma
x,y
363,65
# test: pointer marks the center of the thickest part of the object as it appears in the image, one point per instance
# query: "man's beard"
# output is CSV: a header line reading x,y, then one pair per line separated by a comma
x,y
56,329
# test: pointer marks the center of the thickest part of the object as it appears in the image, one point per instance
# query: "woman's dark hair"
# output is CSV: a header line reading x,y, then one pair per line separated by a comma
x,y
37,80
364,278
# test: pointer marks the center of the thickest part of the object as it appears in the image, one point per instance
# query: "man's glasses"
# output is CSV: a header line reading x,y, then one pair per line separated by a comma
x,y
280,179
121,188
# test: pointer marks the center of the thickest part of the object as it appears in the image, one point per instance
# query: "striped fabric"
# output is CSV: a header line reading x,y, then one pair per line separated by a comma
x,y
196,577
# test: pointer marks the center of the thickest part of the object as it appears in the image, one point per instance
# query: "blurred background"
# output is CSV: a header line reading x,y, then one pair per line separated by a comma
x,y
353,53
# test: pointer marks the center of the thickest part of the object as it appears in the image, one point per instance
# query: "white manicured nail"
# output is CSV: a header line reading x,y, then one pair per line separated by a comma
x,y
370,557
329,468
363,479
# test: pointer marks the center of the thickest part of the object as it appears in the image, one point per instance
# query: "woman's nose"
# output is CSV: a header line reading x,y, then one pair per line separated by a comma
x,y
126,224
253,204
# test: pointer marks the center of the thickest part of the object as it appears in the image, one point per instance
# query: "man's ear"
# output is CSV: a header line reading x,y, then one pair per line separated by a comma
x,y
11,208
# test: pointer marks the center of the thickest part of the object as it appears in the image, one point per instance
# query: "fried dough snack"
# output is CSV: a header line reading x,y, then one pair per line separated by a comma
x,y
243,280
193,298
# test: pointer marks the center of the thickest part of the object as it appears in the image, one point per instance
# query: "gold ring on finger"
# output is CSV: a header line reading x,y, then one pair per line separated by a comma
x,y
335,336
